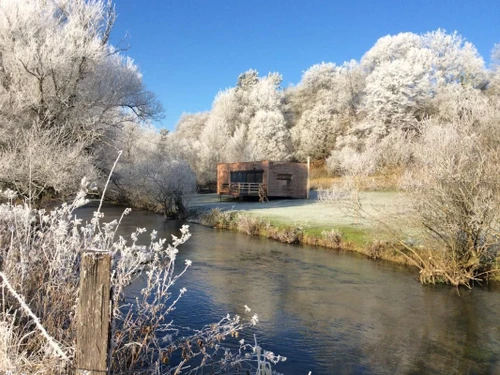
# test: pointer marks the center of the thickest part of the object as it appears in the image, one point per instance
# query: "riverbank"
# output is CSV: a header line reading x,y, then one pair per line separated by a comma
x,y
341,226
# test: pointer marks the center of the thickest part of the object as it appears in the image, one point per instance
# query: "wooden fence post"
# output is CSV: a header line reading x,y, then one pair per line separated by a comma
x,y
94,314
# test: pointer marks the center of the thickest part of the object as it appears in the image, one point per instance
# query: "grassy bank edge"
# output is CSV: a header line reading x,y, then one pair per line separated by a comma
x,y
336,237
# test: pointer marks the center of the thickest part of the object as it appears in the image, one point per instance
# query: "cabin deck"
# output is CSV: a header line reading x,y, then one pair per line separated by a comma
x,y
244,189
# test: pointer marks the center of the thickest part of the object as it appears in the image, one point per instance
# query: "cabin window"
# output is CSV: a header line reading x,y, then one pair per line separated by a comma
x,y
247,176
284,176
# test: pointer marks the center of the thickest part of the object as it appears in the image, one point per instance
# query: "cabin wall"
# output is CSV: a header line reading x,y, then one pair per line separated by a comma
x,y
287,180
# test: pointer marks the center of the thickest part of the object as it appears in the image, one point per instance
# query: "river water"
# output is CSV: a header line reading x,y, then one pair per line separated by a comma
x,y
329,312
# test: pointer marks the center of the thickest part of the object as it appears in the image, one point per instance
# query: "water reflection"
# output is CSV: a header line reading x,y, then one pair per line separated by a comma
x,y
333,313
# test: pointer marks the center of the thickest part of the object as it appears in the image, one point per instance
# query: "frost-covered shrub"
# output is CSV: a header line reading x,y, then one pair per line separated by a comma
x,y
40,255
350,161
454,188
371,147
40,163
287,234
219,218
332,238
336,193
151,175
393,151
250,225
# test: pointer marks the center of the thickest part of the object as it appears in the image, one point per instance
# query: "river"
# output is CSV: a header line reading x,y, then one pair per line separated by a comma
x,y
330,312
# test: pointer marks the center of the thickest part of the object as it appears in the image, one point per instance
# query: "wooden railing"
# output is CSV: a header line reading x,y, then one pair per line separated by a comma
x,y
241,189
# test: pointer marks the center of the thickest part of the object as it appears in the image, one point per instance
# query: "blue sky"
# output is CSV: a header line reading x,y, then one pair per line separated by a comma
x,y
188,50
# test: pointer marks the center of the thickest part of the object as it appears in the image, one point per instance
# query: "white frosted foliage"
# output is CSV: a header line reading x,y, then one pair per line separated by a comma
x,y
269,138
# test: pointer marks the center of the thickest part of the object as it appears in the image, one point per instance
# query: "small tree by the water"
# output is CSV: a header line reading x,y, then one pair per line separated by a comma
x,y
455,190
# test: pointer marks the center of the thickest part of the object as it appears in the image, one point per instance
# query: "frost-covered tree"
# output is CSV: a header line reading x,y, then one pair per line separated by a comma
x,y
58,72
315,132
323,105
247,82
237,147
191,125
397,91
454,60
328,83
405,70
219,128
57,67
409,78
456,103
186,143
494,84
268,136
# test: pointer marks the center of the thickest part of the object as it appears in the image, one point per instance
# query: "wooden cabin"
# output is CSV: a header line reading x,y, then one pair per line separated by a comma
x,y
263,179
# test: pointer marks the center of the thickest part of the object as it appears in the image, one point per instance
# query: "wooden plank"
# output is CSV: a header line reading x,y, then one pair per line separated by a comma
x,y
93,314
